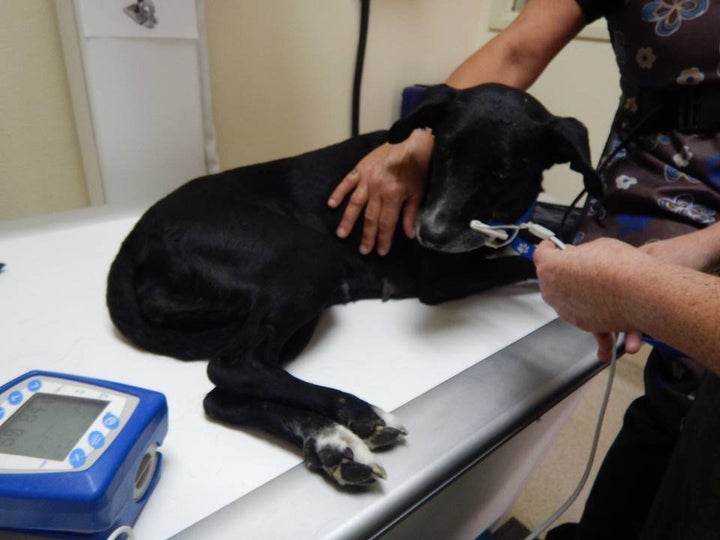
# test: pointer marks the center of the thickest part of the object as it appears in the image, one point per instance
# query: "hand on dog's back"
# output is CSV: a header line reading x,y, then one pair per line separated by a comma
x,y
386,183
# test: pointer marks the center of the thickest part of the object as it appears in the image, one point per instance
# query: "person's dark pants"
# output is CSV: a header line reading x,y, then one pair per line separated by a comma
x,y
635,465
687,505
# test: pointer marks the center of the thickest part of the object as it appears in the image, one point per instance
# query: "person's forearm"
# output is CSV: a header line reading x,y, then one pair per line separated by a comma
x,y
708,249
519,54
699,250
677,305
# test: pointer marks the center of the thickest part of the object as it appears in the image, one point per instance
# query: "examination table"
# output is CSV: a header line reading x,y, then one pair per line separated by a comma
x,y
483,385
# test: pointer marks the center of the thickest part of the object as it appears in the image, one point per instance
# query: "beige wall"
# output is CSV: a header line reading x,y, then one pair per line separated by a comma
x,y
281,74
40,166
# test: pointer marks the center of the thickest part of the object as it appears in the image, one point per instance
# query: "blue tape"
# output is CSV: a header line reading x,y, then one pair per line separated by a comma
x,y
663,347
522,247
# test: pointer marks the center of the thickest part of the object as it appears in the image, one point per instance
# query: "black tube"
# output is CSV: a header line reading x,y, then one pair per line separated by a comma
x,y
359,61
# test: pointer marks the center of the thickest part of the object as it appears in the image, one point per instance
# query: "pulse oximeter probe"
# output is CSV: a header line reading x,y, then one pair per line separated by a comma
x,y
78,456
500,236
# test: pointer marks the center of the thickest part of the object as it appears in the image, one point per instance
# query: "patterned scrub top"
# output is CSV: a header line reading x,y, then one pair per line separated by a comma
x,y
658,184
662,184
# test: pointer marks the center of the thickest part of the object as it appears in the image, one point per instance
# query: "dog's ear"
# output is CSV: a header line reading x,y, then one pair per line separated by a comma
x,y
571,144
430,110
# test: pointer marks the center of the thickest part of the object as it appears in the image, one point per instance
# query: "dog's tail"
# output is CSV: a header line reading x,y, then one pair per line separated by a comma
x,y
152,316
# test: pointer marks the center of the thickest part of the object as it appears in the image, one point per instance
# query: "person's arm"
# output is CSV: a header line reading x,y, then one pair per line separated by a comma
x,y
390,181
608,286
699,250
520,53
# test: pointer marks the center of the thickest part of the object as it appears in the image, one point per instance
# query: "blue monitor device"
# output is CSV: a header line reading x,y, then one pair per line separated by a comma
x,y
78,456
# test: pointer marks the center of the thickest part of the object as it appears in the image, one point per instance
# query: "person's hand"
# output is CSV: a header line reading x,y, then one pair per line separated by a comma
x,y
389,181
584,286
606,343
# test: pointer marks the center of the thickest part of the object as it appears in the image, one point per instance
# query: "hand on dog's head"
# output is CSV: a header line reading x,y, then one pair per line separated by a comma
x,y
492,144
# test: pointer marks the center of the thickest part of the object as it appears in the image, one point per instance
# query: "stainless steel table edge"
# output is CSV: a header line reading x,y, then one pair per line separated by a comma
x,y
451,428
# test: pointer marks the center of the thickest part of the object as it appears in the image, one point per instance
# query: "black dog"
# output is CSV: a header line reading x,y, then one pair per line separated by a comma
x,y
237,267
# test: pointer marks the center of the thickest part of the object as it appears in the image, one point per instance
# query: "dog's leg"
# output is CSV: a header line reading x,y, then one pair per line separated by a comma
x,y
257,379
326,445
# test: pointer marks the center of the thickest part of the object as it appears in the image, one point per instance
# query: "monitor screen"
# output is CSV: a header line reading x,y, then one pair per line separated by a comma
x,y
48,425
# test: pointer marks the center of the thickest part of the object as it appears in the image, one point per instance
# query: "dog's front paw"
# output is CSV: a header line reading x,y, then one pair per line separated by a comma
x,y
379,429
387,432
343,456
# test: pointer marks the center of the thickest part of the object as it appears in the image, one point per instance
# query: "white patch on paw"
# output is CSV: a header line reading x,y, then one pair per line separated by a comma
x,y
340,438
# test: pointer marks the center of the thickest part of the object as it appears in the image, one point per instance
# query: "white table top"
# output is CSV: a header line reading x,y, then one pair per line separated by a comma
x,y
54,318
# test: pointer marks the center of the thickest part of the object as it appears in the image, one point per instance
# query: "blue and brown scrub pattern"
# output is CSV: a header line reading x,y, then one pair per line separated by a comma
x,y
658,184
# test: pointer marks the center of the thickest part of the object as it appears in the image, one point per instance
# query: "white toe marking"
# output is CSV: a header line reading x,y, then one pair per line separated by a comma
x,y
341,437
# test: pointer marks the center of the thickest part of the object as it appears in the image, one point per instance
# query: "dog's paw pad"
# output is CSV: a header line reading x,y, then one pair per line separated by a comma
x,y
358,474
343,456
384,437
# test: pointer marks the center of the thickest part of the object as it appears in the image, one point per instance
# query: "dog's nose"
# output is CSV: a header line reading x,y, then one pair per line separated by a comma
x,y
433,236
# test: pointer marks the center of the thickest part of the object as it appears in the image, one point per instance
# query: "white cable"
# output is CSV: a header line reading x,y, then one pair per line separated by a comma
x,y
598,428
498,236
124,530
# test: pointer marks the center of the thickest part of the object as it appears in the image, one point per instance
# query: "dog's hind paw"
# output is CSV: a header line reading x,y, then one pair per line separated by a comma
x,y
343,456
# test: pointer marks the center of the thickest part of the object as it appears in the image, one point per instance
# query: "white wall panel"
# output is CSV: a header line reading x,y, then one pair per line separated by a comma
x,y
144,88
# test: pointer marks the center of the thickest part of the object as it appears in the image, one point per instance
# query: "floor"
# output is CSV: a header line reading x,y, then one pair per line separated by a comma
x,y
559,472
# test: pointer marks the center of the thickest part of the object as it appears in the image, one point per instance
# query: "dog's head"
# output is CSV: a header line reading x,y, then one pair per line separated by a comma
x,y
492,144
